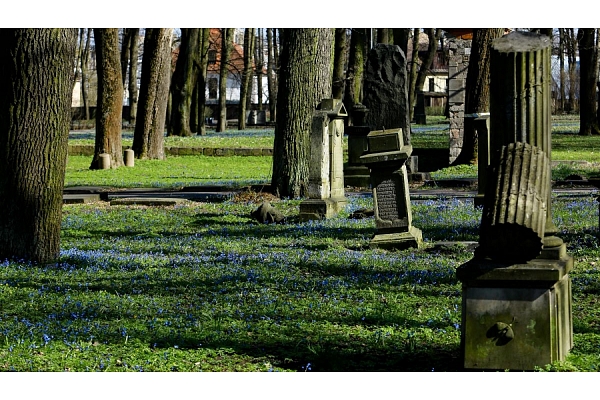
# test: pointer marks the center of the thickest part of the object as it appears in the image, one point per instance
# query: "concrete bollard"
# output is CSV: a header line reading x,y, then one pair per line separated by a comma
x,y
104,161
129,158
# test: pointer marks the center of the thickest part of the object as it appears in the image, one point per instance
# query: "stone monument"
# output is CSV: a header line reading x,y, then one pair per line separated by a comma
x,y
386,159
516,291
326,165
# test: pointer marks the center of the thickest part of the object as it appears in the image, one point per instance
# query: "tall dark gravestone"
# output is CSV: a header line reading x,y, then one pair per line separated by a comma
x,y
516,291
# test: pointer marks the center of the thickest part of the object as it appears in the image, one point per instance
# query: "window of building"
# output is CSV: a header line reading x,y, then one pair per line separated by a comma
x,y
432,84
212,56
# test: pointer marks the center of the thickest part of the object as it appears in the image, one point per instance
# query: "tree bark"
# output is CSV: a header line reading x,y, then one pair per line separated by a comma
x,y
356,68
184,81
201,84
588,70
339,63
305,80
477,96
226,45
271,71
85,59
36,78
572,57
246,76
133,75
259,65
401,36
414,72
109,107
561,55
148,137
434,37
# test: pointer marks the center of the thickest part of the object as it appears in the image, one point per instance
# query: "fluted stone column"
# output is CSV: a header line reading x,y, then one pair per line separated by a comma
x,y
520,105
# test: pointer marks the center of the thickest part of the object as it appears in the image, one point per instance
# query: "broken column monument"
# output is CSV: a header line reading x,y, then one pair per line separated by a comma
x,y
326,173
516,291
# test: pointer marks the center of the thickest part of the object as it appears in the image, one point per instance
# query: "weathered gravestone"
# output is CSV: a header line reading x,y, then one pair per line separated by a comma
x,y
355,173
386,160
326,174
516,305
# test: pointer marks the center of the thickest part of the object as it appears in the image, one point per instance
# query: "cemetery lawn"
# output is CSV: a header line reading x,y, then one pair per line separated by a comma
x,y
201,287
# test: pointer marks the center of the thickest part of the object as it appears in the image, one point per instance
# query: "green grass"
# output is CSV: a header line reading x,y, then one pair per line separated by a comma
x,y
200,287
234,171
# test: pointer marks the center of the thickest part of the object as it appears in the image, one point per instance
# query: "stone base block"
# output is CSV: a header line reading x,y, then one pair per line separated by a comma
x,y
515,317
398,241
316,209
356,176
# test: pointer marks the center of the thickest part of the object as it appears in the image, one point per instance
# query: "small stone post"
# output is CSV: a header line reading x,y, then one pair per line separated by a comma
x,y
129,158
104,161
326,175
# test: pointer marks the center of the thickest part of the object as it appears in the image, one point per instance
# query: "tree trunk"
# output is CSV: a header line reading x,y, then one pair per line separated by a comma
x,y
133,75
305,80
109,107
125,46
477,96
271,73
588,70
383,36
259,64
401,38
226,45
563,73
339,63
148,137
201,84
184,80
414,69
356,68
246,76
434,37
85,59
36,78
572,57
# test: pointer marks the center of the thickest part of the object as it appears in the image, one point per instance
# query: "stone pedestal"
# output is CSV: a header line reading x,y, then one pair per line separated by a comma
x,y
326,173
515,316
386,160
104,161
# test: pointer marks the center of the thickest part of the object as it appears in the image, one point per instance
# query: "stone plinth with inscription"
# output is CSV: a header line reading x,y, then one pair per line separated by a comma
x,y
386,160
326,173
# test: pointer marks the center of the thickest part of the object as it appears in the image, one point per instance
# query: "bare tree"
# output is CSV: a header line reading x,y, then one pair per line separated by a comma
x,y
226,45
246,85
477,96
35,112
272,71
588,70
339,63
434,36
356,67
85,59
109,107
259,61
198,123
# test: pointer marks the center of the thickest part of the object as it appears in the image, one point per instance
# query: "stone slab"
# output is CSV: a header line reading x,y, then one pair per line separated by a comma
x,y
80,198
147,201
398,241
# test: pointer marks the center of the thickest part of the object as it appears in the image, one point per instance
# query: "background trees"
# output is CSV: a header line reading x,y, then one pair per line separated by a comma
x,y
588,55
36,82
